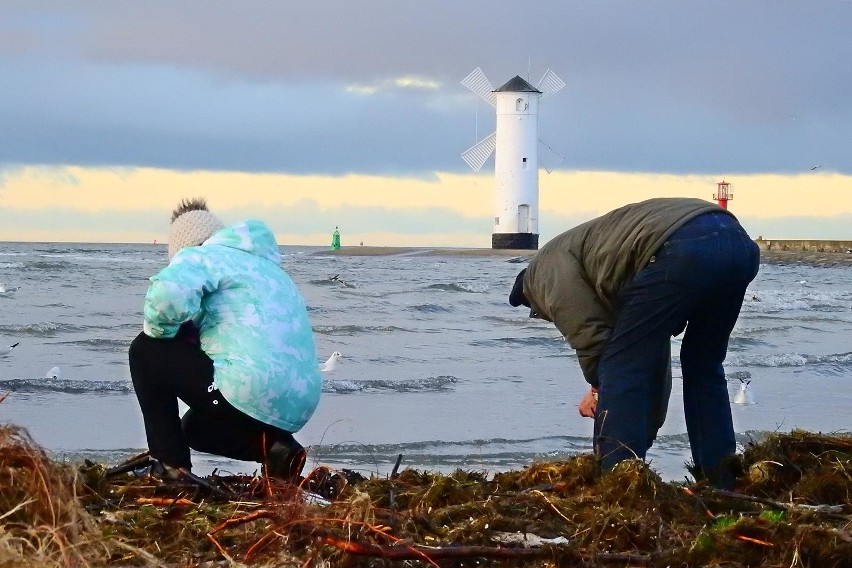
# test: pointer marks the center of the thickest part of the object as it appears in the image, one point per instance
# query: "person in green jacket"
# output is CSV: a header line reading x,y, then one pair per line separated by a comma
x,y
226,331
618,288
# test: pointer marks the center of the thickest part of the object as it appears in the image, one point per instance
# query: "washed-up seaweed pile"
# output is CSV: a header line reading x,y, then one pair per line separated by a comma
x,y
791,508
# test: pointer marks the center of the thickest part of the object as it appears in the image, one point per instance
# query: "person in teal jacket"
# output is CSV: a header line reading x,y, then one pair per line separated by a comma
x,y
227,332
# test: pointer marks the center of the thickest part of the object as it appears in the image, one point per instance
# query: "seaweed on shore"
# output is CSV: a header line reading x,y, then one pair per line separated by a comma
x,y
791,507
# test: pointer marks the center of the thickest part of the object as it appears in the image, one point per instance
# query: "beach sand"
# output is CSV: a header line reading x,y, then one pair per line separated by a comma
x,y
806,258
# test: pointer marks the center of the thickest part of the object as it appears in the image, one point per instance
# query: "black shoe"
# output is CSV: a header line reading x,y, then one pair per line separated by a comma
x,y
285,460
163,472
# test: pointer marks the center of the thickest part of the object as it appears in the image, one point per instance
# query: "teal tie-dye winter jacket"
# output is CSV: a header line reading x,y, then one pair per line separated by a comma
x,y
252,320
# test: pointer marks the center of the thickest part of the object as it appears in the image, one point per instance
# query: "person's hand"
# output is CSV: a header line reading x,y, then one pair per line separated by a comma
x,y
589,403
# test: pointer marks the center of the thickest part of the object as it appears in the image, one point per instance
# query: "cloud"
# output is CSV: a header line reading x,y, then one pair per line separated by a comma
x,y
373,87
409,82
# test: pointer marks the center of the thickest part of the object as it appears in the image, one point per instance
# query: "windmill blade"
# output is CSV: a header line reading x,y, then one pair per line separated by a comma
x,y
479,84
476,155
548,157
550,83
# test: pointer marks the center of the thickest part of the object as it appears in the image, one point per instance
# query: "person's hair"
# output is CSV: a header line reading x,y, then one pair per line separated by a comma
x,y
187,205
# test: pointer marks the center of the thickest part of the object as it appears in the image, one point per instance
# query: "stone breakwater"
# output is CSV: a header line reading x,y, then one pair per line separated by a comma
x,y
804,245
812,255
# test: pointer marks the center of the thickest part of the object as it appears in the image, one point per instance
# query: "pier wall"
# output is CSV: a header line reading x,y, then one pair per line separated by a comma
x,y
804,245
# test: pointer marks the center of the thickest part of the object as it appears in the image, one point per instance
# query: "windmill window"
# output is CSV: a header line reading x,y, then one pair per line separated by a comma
x,y
496,220
521,105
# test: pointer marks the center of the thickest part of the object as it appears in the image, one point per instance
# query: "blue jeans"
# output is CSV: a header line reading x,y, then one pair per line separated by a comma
x,y
696,280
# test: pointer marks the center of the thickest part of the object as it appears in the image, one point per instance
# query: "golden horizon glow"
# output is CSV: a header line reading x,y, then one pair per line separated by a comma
x,y
94,191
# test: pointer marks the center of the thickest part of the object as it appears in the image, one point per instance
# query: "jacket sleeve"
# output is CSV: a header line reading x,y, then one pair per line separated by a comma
x,y
576,310
175,294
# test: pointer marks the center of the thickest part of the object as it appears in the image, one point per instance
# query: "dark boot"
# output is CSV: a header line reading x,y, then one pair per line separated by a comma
x,y
285,460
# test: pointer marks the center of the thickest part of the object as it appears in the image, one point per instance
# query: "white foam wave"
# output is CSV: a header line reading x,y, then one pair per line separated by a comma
x,y
787,360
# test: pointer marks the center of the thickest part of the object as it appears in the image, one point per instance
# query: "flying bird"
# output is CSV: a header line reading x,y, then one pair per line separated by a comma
x,y
331,363
815,167
4,351
745,394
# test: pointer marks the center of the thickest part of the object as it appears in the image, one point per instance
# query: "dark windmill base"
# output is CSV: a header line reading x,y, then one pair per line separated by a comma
x,y
525,241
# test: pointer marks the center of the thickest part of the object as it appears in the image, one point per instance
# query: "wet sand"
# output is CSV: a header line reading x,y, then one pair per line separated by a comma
x,y
805,258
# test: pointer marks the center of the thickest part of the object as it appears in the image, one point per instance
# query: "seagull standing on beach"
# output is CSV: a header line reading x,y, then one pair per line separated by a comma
x,y
331,363
4,351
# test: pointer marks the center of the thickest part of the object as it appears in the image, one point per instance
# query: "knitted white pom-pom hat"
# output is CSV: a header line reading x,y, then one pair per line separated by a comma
x,y
192,224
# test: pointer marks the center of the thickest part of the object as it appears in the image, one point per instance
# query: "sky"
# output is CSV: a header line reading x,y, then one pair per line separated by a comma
x,y
311,115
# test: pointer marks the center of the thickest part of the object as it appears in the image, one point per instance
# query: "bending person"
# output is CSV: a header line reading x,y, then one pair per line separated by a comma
x,y
618,288
227,332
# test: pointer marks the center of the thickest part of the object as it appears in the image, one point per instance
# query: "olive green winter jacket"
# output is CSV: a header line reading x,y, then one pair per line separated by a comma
x,y
574,280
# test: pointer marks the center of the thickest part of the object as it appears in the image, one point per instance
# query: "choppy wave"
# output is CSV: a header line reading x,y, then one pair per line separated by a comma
x,y
459,287
429,384
358,329
740,343
66,386
430,308
492,454
761,330
38,329
333,282
48,265
103,345
788,360
520,342
778,301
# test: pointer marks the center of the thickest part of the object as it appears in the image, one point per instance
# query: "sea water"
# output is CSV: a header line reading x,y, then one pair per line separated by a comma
x,y
436,366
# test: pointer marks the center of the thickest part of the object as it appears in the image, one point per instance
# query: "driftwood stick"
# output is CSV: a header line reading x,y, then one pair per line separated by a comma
x,y
261,514
763,501
135,462
830,511
414,552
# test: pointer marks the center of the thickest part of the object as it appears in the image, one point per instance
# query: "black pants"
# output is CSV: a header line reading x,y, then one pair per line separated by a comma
x,y
165,370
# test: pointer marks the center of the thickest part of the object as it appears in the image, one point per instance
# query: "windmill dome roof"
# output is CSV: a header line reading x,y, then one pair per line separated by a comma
x,y
516,85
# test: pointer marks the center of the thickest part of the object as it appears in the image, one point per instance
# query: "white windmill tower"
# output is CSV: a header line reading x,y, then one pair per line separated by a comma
x,y
518,154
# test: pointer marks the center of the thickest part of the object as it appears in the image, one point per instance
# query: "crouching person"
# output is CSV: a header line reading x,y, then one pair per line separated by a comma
x,y
227,332
618,288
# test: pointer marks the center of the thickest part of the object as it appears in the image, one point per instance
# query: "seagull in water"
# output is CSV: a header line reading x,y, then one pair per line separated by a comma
x,y
9,290
4,351
745,394
53,373
339,280
331,363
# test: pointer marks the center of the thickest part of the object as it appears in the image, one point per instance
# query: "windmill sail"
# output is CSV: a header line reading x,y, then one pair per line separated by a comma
x,y
548,157
479,84
550,83
476,155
